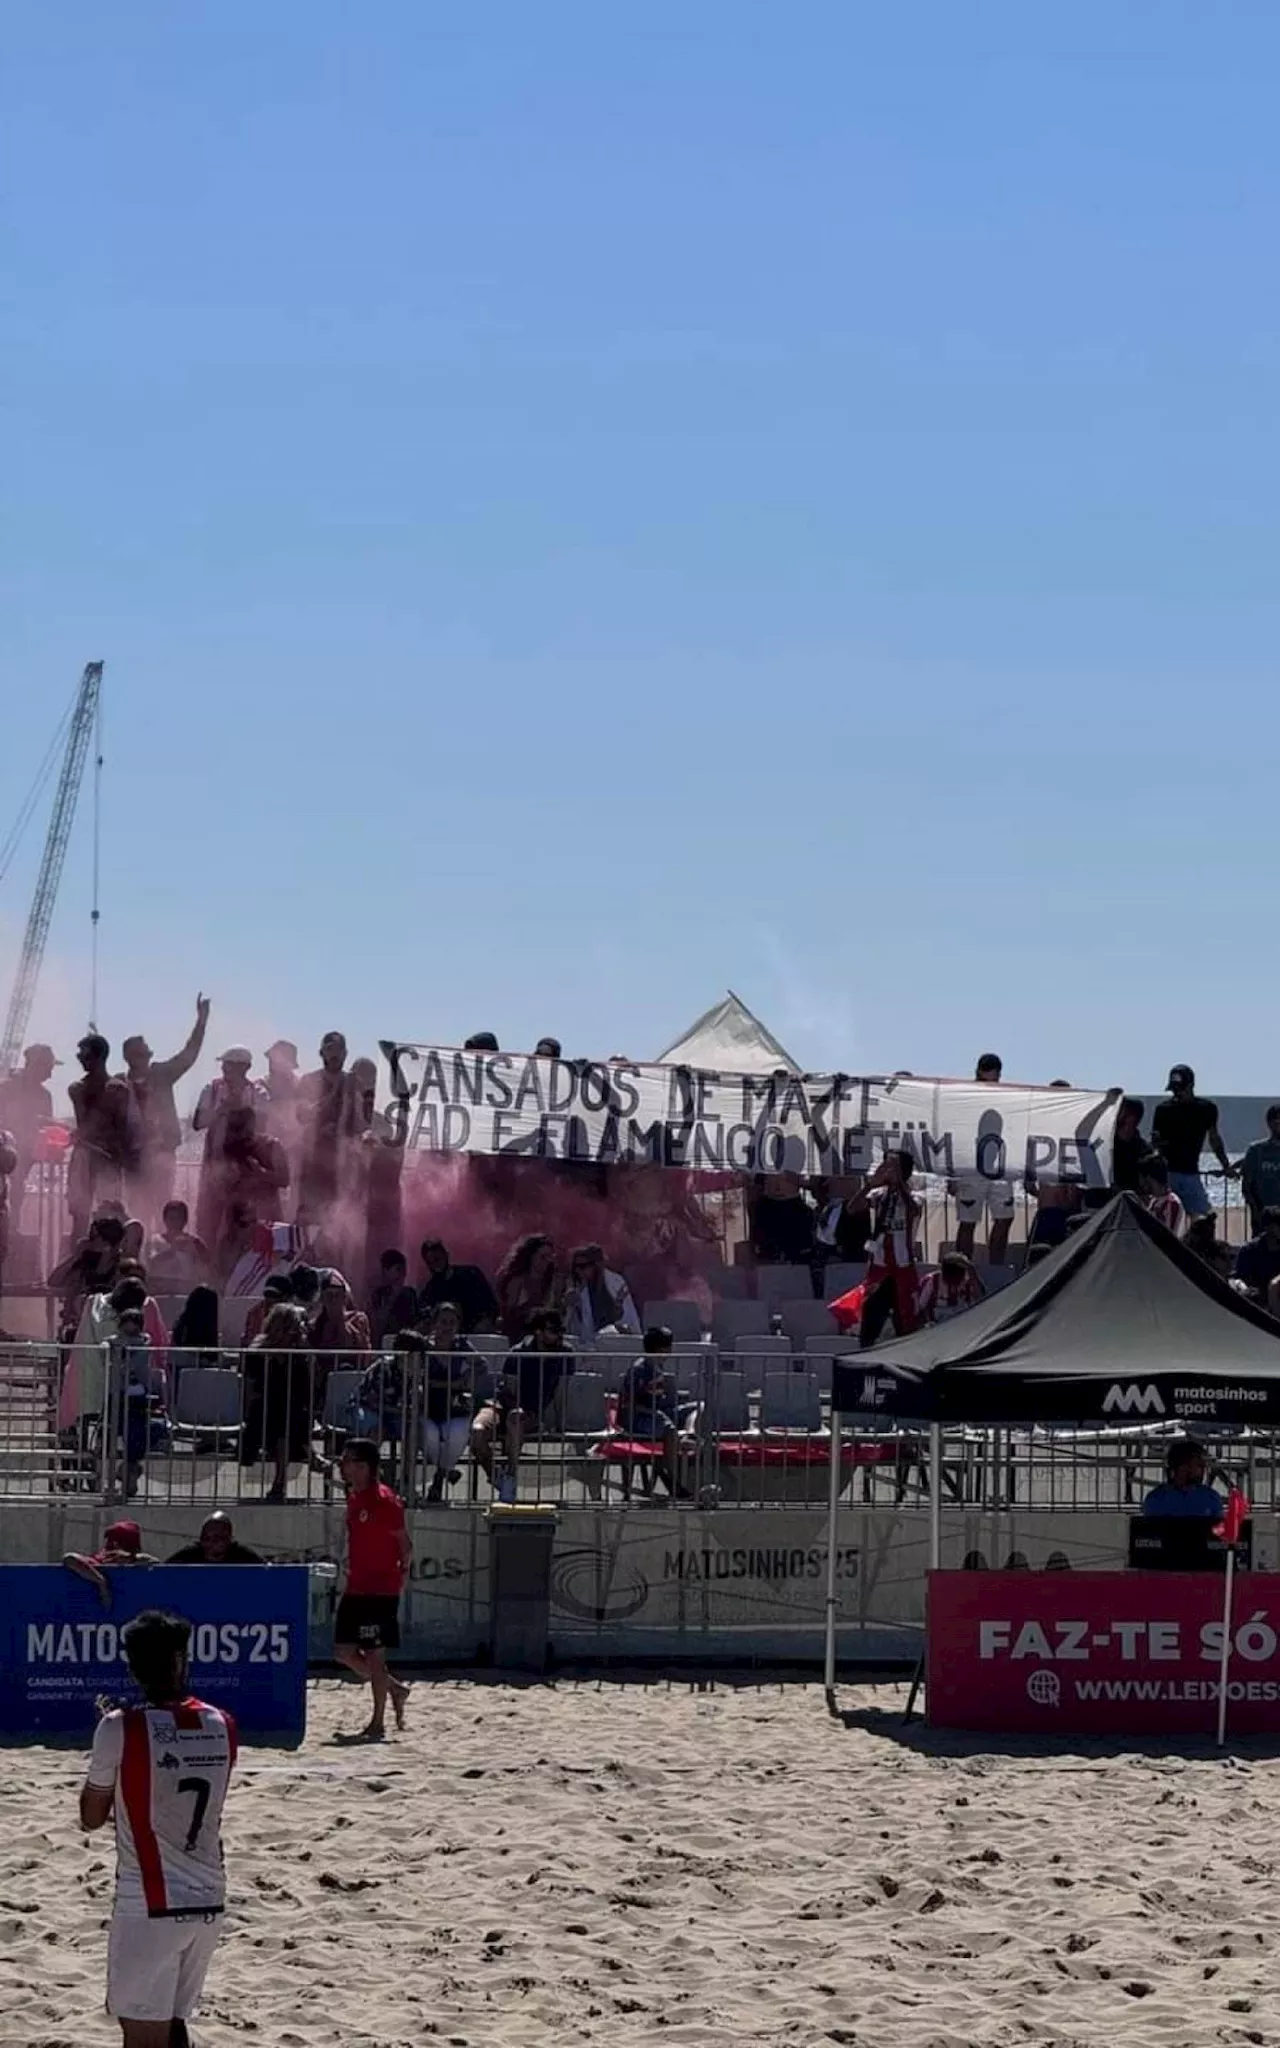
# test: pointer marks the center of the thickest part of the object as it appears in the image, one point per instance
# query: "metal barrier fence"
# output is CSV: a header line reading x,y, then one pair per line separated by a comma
x,y
119,1423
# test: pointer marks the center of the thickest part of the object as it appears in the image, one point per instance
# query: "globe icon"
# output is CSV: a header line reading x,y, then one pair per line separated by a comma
x,y
1044,1688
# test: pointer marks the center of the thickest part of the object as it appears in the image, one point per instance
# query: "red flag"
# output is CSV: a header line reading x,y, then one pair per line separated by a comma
x,y
847,1308
1234,1516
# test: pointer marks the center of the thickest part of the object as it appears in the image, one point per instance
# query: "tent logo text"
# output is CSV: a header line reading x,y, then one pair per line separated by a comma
x,y
1133,1400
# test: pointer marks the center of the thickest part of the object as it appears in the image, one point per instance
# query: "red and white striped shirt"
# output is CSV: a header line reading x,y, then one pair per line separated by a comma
x,y
169,1768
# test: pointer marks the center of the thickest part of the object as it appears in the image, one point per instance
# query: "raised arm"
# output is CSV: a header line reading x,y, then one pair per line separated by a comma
x,y
182,1062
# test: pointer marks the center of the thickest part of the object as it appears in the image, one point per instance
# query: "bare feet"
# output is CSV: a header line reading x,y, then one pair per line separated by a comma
x,y
399,1696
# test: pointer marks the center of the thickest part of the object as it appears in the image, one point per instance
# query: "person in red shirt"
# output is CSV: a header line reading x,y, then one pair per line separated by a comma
x,y
367,1623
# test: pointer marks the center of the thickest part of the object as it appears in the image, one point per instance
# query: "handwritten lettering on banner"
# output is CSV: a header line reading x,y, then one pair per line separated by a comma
x,y
619,1112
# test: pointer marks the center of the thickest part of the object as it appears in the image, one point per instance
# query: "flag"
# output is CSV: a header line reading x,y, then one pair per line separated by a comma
x,y
1234,1516
847,1308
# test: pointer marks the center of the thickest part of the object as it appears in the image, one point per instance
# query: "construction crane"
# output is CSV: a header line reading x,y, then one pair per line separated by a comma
x,y
84,718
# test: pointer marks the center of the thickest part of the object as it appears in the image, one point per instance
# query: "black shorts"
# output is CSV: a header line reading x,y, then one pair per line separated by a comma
x,y
367,1621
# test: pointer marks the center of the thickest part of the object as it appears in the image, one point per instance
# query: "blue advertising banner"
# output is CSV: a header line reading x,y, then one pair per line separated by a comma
x,y
61,1647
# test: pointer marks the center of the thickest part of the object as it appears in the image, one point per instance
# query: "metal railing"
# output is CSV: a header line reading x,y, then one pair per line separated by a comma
x,y
120,1423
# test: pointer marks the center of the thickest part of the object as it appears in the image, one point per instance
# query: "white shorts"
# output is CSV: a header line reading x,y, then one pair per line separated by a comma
x,y
445,1443
975,1193
156,1968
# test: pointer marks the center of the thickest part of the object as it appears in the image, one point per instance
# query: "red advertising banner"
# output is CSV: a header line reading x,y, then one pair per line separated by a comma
x,y
1100,1653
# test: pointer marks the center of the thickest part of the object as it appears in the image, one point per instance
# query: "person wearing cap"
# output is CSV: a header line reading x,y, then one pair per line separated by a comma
x,y
151,1083
217,1545
26,1108
121,1546
1183,1128
218,1099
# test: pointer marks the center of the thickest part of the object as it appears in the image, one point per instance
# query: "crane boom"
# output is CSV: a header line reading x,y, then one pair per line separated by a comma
x,y
55,850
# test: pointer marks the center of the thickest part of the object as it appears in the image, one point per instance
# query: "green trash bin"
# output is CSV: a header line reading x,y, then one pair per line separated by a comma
x,y
520,1545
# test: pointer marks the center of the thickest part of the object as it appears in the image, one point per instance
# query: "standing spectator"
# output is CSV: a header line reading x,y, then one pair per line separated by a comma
x,y
481,1041
324,1113
1258,1262
393,1304
597,1298
218,1102
984,1191
251,1174
106,1144
532,1374
151,1082
281,1087
280,1395
26,1107
782,1222
1260,1170
1182,1127
1129,1147
1158,1196
893,1280
465,1286
277,1287
527,1284
8,1167
176,1260
547,1049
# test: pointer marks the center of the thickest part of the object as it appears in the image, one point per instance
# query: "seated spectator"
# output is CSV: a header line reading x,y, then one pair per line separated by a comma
x,y
195,1333
597,1298
782,1221
1258,1262
481,1041
449,1397
1038,1253
280,1394
177,1261
1202,1239
528,1284
135,1237
121,1546
647,1405
217,1545
524,1399
337,1325
1186,1490
1260,1170
380,1400
955,1287
465,1286
1158,1196
393,1305
547,1049
277,1287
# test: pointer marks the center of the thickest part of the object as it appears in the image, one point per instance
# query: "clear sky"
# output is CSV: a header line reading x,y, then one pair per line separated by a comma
x,y
582,505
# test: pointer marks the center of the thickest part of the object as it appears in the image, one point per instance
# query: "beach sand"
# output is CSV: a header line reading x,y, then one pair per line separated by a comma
x,y
617,1863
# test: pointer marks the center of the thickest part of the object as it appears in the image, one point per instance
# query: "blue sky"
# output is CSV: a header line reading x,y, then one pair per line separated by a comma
x,y
586,505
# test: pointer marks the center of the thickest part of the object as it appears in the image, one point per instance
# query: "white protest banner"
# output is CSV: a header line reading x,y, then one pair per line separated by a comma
x,y
617,1112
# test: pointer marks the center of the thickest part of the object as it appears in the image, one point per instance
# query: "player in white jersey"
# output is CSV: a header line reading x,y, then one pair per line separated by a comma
x,y
163,1769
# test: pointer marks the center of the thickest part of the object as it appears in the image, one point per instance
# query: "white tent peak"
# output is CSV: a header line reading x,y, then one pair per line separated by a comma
x,y
731,1039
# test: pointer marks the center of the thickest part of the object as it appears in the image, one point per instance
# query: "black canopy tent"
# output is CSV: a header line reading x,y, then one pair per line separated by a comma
x,y
1122,1322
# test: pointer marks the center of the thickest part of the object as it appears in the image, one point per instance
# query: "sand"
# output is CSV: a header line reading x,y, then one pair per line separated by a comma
x,y
620,1863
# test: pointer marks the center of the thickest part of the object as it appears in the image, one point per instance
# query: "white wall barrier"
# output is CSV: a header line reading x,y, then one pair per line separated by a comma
x,y
638,1582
